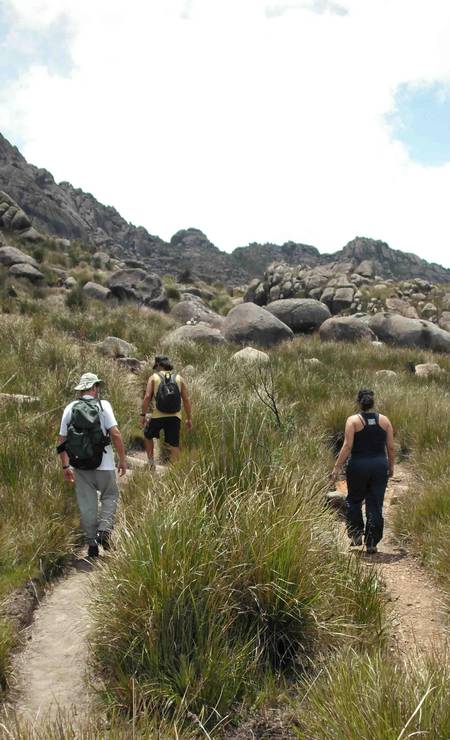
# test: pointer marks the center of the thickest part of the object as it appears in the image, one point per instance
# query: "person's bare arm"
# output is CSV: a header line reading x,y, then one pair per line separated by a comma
x,y
64,457
116,439
390,448
186,405
146,400
345,449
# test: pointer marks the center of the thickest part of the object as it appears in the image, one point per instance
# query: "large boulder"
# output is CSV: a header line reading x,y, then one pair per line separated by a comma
x,y
195,311
251,324
12,217
137,285
197,333
398,330
445,303
343,298
428,369
444,320
302,315
97,291
13,256
24,270
346,329
250,355
116,347
399,305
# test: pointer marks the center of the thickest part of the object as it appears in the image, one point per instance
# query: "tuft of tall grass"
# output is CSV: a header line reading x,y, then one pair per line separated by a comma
x,y
371,696
206,597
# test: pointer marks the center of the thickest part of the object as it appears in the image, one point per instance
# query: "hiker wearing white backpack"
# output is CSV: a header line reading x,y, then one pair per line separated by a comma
x,y
167,392
88,427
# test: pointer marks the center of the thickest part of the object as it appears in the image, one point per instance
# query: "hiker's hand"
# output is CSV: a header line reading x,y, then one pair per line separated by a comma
x,y
122,468
189,424
143,421
334,474
68,475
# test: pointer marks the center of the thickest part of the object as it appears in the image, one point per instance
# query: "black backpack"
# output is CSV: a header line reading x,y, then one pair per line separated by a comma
x,y
168,396
85,442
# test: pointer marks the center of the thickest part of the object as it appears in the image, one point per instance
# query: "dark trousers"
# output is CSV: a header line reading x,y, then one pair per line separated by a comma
x,y
367,479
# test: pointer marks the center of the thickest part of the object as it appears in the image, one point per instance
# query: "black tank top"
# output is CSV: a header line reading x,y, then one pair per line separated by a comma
x,y
370,441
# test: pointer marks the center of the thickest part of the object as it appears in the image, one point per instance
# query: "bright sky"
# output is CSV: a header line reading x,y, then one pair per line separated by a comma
x,y
253,120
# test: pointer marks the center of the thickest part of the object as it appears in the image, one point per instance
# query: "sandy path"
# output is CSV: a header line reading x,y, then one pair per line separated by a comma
x,y
418,611
419,619
50,674
51,671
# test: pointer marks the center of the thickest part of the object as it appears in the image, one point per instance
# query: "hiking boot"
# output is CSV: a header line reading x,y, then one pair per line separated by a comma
x,y
371,549
92,551
104,539
356,540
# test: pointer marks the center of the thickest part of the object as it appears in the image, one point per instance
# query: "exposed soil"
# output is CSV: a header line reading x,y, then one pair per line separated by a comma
x,y
50,673
418,620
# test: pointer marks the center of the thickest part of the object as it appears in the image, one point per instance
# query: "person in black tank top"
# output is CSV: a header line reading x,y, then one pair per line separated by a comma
x,y
369,443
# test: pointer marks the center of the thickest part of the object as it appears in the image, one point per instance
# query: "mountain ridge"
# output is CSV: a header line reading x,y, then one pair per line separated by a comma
x,y
64,211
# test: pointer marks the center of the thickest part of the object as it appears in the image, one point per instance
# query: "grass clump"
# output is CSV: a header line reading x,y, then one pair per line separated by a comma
x,y
371,696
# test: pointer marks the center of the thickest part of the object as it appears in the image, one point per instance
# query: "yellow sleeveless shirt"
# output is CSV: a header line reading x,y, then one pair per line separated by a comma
x,y
156,383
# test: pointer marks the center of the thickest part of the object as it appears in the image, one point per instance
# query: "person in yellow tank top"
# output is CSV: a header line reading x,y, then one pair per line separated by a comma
x,y
162,419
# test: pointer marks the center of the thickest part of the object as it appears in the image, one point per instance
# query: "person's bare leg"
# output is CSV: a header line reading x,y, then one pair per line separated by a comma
x,y
149,449
174,454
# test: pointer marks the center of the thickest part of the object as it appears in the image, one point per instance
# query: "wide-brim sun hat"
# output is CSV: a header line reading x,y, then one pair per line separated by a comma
x,y
86,381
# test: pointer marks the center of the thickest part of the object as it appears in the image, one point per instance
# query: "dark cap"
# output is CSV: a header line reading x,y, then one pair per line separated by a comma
x,y
161,360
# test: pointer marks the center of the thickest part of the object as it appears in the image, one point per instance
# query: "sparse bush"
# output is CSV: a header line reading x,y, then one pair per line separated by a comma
x,y
76,298
222,303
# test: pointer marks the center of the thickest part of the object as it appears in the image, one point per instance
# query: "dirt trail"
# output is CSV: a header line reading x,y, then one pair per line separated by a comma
x,y
419,621
51,671
50,674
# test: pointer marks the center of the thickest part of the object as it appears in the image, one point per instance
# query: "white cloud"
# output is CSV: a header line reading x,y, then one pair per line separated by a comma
x,y
207,113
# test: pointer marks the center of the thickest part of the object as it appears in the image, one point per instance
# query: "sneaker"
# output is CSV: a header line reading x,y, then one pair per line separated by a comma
x,y
103,539
356,540
92,551
371,549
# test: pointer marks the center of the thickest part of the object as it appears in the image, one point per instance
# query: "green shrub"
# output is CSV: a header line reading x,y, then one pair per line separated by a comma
x,y
222,303
76,298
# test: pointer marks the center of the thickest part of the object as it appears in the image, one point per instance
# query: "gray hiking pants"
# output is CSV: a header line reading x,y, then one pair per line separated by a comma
x,y
87,483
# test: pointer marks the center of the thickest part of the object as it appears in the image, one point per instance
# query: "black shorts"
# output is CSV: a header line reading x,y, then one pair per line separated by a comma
x,y
170,426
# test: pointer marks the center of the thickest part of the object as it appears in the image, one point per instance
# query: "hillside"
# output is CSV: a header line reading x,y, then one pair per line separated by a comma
x,y
61,210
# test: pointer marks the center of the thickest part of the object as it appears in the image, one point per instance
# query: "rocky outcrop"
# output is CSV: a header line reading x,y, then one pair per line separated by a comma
x,y
250,324
346,329
428,369
67,212
398,330
302,315
12,256
29,272
97,291
444,320
197,333
196,311
381,259
250,356
116,347
401,306
139,286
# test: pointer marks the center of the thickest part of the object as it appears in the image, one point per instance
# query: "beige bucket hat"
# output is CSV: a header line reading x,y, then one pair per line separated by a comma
x,y
86,381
